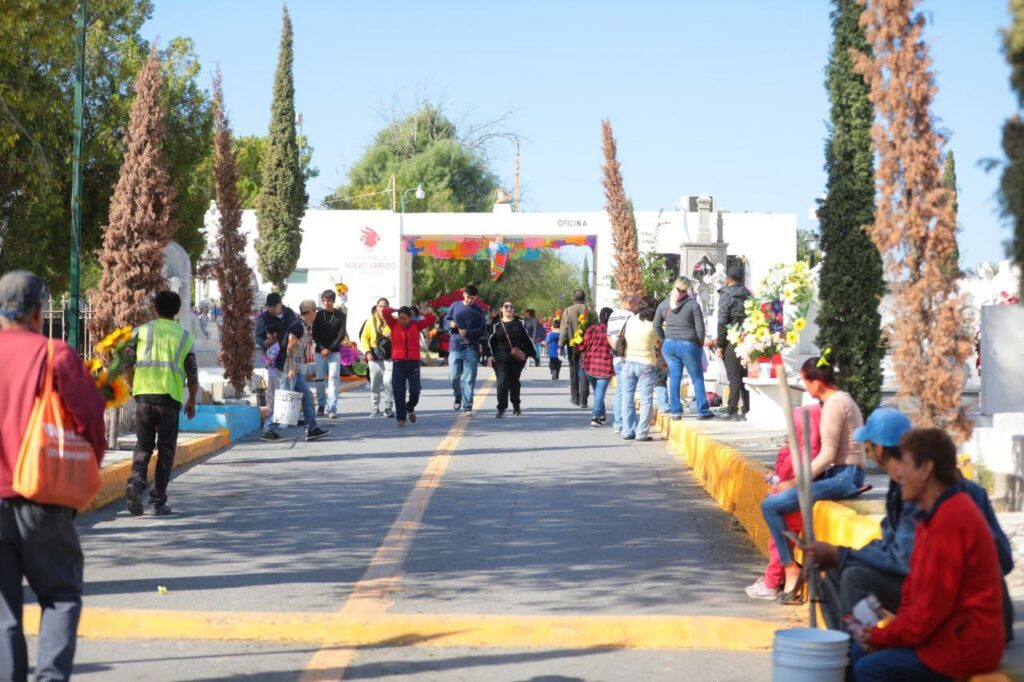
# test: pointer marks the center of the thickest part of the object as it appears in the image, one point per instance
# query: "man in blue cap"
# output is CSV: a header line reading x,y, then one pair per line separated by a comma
x,y
880,567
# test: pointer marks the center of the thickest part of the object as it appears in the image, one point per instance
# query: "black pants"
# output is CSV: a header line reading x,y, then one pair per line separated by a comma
x,y
735,371
155,426
507,372
843,589
555,365
39,542
405,375
579,388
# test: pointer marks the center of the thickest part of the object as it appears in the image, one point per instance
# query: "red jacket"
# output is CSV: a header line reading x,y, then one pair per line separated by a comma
x,y
21,380
405,341
951,610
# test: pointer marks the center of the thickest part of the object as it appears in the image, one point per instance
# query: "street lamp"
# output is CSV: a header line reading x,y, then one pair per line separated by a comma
x,y
420,194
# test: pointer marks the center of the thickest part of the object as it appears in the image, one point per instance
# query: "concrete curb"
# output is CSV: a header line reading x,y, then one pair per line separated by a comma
x,y
114,478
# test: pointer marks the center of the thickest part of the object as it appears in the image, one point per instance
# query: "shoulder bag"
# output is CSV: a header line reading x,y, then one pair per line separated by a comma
x,y
517,353
56,465
620,341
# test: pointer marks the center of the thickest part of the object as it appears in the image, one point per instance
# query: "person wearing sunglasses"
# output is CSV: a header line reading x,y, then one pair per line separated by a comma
x,y
508,347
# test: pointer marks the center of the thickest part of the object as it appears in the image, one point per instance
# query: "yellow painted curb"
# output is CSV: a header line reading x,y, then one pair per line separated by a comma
x,y
114,478
479,631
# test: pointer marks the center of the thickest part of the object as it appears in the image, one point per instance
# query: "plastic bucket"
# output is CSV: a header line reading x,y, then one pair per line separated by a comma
x,y
809,655
287,407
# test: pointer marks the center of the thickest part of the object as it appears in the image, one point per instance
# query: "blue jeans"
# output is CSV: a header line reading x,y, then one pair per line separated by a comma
x,y
679,354
599,385
327,369
299,385
462,367
405,375
891,664
618,411
836,483
661,398
637,378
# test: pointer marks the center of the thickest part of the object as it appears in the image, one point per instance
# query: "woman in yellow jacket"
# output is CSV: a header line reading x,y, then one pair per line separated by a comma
x,y
375,342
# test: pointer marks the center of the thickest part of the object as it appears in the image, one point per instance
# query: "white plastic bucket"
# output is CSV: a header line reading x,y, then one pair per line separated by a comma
x,y
810,655
287,407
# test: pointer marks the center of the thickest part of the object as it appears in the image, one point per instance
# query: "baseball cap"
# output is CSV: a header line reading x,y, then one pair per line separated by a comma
x,y
273,299
20,292
307,306
885,427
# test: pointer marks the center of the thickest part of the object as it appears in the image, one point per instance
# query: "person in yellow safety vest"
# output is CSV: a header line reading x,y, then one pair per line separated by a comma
x,y
161,363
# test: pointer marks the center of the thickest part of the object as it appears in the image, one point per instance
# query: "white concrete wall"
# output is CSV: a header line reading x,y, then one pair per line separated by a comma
x,y
364,248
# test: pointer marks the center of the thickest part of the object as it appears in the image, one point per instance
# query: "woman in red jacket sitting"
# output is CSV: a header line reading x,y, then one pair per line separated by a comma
x,y
405,356
950,623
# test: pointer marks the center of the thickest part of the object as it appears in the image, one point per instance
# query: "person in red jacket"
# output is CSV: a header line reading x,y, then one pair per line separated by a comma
x,y
950,623
405,355
39,542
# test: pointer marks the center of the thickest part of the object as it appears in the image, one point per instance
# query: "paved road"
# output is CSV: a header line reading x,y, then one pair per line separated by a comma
x,y
575,542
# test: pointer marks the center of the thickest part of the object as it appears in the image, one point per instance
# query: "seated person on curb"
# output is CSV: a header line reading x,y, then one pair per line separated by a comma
x,y
837,472
784,477
880,567
950,623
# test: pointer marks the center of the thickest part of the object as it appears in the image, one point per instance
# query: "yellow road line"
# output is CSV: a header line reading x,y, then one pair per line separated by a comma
x,y
347,631
372,594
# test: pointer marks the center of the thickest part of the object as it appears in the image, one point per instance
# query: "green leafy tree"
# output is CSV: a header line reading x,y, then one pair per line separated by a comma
x,y
422,147
851,285
250,151
1011,186
282,199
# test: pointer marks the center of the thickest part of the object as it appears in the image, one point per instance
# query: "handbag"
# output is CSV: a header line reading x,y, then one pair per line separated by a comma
x,y
620,341
517,353
56,465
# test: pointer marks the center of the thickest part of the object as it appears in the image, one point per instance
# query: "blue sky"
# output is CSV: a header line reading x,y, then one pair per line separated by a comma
x,y
725,97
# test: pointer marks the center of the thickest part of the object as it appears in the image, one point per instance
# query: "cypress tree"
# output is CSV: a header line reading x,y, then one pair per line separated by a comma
x,y
230,269
140,215
626,272
952,268
586,279
283,198
851,285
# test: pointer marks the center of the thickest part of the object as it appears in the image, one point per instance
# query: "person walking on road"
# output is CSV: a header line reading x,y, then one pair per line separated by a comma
x,y
39,542
294,367
329,335
162,365
509,346
639,372
628,305
731,299
579,389
405,354
467,323
555,351
536,331
679,323
375,342
598,363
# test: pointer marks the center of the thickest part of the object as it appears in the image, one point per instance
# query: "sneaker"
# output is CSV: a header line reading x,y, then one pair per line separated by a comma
x,y
631,436
412,417
401,424
705,417
516,412
644,439
376,413
499,414
468,413
603,420
458,405
134,496
584,406
332,415
595,422
162,509
761,591
316,433
270,436
320,411
388,412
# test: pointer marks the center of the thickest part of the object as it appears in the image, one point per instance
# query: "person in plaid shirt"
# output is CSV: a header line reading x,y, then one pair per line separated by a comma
x,y
597,363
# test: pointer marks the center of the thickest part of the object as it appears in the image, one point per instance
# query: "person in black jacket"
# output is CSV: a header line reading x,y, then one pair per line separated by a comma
x,y
330,333
505,333
731,312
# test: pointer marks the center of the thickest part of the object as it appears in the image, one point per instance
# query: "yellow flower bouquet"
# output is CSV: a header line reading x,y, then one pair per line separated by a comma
x,y
109,377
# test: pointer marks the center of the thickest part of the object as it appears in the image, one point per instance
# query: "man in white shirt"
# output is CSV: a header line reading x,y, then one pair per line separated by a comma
x,y
628,305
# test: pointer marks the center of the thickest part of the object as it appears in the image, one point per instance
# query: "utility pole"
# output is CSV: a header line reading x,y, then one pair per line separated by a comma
x,y
74,303
516,197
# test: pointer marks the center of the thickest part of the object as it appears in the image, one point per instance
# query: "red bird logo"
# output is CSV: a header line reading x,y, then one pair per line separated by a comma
x,y
369,237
